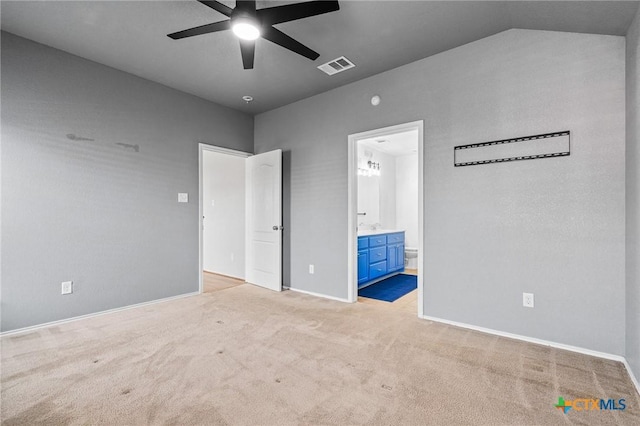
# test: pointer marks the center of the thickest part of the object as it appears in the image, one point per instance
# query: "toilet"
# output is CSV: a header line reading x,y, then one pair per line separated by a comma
x,y
411,258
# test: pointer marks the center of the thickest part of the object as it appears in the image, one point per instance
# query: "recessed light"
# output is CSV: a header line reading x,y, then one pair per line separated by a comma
x,y
375,100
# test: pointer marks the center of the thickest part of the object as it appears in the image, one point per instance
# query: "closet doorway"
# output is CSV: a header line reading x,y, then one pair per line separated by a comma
x,y
240,206
222,205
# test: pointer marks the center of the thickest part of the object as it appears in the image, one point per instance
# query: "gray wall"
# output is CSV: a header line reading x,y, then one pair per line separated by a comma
x,y
553,227
633,197
98,213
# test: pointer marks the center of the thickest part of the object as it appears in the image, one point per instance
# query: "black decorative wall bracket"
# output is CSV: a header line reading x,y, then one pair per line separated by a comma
x,y
557,144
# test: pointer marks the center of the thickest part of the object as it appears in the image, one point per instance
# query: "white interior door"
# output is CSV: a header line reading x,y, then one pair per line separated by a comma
x,y
264,220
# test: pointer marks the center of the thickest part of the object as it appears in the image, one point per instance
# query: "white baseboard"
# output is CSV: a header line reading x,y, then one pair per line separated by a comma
x,y
529,339
634,379
108,311
571,348
324,296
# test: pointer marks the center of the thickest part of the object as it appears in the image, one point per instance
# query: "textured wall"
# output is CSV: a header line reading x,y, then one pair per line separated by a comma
x,y
102,212
633,197
552,227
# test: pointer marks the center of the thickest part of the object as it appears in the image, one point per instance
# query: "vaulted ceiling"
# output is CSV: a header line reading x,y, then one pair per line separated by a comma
x,y
375,35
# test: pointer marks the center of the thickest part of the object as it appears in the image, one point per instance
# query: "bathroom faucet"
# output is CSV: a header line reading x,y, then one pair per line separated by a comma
x,y
376,226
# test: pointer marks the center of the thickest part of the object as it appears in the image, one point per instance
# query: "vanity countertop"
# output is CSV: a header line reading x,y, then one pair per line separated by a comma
x,y
369,232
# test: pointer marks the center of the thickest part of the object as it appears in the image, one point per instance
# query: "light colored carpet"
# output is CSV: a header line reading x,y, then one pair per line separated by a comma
x,y
249,356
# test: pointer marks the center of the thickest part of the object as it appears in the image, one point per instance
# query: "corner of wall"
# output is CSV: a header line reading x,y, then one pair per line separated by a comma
x,y
632,199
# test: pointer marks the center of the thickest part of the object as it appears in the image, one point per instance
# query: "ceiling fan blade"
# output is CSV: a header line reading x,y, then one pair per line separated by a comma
x,y
216,5
291,12
248,50
203,29
248,6
281,39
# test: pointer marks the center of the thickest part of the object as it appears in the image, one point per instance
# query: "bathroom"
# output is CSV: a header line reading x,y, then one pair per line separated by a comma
x,y
388,210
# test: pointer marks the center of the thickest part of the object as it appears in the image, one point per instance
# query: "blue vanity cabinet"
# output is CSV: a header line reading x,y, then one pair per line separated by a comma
x,y
400,257
377,270
395,252
379,256
378,240
395,257
392,257
363,260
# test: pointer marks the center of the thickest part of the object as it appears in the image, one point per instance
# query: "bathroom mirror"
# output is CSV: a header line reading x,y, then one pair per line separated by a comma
x,y
376,189
368,201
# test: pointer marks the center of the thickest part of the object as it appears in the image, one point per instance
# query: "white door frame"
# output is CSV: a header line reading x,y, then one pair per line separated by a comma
x,y
352,221
211,148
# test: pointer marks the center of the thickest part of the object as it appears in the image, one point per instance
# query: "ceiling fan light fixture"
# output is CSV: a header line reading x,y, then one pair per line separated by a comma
x,y
249,23
246,28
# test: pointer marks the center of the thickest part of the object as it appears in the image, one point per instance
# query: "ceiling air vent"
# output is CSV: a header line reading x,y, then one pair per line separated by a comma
x,y
336,65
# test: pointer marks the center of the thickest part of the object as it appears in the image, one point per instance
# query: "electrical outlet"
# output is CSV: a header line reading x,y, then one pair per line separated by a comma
x,y
311,269
67,287
527,300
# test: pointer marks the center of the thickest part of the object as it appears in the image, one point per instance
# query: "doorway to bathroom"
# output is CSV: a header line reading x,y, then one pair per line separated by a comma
x,y
386,178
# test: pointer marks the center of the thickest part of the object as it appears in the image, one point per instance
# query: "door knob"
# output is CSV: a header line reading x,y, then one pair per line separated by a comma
x,y
275,227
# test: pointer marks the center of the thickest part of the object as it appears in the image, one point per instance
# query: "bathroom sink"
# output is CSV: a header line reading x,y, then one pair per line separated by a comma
x,y
367,232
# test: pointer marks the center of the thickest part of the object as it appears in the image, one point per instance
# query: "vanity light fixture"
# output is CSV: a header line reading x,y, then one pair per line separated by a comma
x,y
372,169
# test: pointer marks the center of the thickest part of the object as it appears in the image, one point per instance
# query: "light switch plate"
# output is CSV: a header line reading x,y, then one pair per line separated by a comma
x,y
183,197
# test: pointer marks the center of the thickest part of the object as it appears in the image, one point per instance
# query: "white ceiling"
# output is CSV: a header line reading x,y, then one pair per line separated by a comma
x,y
396,144
375,35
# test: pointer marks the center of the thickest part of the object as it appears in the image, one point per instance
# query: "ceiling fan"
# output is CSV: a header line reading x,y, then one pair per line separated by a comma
x,y
249,23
